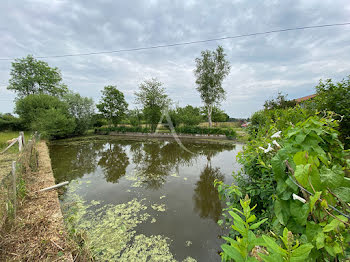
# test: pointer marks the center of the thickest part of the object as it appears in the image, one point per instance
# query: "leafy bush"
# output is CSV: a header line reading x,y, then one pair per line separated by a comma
x,y
189,115
46,114
123,129
10,122
336,97
309,193
230,133
256,178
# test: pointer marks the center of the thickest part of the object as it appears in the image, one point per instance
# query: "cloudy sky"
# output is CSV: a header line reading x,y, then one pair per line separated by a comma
x,y
291,62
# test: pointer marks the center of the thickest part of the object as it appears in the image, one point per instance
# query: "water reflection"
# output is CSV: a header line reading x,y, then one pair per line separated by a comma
x,y
120,170
114,162
206,197
74,161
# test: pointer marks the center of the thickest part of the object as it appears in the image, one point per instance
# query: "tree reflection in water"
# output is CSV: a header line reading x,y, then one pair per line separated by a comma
x,y
153,160
114,162
206,197
75,160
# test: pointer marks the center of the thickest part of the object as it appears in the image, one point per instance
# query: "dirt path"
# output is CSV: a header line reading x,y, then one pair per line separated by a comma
x,y
38,233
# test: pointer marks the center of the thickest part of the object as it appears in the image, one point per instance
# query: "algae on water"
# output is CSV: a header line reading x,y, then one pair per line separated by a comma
x,y
159,207
112,229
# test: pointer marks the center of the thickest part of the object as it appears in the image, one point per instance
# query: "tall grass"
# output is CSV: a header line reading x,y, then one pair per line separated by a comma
x,y
8,135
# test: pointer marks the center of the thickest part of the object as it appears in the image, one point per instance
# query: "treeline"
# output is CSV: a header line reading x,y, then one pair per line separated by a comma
x,y
44,103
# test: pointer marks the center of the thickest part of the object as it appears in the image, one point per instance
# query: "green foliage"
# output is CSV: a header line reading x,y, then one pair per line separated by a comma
x,y
153,99
313,150
81,109
219,115
280,102
280,119
307,163
46,114
31,76
10,122
189,115
112,105
231,133
336,97
134,116
123,129
239,249
211,69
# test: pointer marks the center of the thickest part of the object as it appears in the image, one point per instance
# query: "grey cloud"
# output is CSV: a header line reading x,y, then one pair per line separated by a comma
x,y
291,62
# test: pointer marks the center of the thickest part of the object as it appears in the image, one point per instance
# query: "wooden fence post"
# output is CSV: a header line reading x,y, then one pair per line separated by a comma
x,y
14,188
23,139
20,142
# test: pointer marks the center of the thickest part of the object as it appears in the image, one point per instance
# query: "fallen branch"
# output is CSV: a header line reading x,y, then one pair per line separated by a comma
x,y
53,187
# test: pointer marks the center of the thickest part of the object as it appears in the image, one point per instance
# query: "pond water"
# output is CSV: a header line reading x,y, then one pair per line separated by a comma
x,y
145,200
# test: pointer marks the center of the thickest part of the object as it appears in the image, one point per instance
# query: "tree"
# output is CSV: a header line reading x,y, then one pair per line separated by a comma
x,y
81,109
280,102
112,105
46,114
219,115
153,99
211,69
189,115
31,76
134,117
336,97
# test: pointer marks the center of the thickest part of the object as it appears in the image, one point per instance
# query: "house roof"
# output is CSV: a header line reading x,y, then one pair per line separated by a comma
x,y
302,99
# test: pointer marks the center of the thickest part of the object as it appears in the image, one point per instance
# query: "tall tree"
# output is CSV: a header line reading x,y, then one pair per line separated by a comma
x,y
153,99
112,105
81,109
30,76
211,69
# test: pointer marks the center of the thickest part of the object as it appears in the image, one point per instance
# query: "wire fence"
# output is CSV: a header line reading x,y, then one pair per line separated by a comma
x,y
13,185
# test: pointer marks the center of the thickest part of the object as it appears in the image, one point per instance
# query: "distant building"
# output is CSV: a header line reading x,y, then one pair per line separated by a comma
x,y
303,99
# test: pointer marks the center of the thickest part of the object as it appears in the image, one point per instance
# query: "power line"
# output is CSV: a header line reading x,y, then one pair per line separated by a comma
x,y
190,42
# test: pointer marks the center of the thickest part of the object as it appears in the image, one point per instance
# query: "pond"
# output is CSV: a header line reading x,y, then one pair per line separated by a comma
x,y
149,200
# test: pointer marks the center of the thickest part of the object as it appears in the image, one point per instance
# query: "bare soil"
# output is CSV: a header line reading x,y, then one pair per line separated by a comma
x,y
38,233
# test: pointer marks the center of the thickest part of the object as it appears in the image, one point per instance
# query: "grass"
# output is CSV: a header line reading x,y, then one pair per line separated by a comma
x,y
8,135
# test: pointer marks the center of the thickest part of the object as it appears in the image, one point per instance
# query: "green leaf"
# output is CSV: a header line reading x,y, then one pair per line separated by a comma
x,y
301,174
300,158
313,199
252,218
332,225
232,253
320,240
331,179
256,225
343,193
272,258
299,212
281,209
273,245
301,253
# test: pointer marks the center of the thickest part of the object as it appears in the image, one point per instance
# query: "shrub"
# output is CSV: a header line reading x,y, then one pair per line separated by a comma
x,y
46,114
310,193
10,122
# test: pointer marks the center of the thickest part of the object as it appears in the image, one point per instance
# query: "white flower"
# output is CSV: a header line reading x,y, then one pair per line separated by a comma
x,y
268,149
276,144
277,134
296,197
